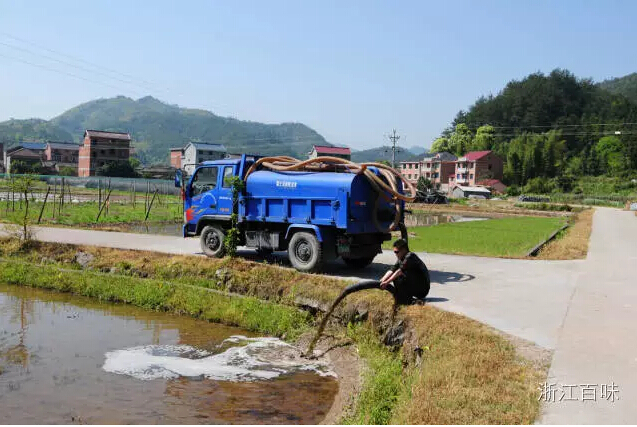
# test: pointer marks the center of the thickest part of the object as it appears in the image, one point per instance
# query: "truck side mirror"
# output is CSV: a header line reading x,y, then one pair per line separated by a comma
x,y
178,178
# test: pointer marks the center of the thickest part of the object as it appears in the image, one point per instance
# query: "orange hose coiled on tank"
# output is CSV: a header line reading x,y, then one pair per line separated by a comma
x,y
336,164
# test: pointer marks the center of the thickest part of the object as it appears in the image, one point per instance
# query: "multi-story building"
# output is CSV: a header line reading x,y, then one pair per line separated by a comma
x,y
477,166
197,152
101,148
411,171
324,150
176,157
438,167
61,154
435,167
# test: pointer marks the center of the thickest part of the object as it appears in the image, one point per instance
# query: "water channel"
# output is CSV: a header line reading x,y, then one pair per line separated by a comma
x,y
68,359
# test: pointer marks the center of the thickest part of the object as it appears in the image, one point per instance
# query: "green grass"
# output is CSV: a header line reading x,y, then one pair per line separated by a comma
x,y
246,312
384,383
86,213
505,237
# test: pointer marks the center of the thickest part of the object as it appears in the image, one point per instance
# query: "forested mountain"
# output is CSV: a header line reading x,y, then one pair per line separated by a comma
x,y
546,126
383,154
14,131
626,86
156,126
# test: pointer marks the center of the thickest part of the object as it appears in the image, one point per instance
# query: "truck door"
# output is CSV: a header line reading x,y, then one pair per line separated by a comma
x,y
204,191
224,199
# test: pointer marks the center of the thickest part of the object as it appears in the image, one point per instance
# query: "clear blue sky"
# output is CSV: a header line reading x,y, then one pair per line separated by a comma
x,y
351,70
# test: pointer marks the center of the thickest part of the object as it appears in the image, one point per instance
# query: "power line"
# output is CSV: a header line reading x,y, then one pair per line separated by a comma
x,y
70,64
148,84
58,71
555,126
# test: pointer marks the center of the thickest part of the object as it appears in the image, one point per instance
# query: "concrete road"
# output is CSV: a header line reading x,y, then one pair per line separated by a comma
x,y
597,345
585,310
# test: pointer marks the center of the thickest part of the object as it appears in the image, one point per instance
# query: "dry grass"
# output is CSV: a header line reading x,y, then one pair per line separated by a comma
x,y
573,244
468,375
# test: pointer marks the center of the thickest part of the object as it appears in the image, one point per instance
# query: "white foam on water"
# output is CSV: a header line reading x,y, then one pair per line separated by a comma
x,y
256,359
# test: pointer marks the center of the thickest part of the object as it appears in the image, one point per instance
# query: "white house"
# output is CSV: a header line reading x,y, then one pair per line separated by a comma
x,y
197,152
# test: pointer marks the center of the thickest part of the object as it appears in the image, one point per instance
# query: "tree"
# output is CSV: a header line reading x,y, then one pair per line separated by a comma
x,y
68,171
484,139
461,139
118,169
424,184
22,167
610,153
440,145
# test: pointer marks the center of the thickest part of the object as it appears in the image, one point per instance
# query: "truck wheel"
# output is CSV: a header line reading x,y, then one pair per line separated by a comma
x,y
306,253
358,263
212,241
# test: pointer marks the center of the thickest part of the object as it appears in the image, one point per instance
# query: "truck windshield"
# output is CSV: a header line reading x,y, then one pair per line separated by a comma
x,y
205,179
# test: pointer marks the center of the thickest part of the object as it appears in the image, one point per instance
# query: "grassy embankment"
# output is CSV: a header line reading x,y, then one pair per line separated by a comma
x,y
501,237
467,373
571,243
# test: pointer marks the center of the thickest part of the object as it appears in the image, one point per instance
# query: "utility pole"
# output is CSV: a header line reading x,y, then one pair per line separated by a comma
x,y
394,138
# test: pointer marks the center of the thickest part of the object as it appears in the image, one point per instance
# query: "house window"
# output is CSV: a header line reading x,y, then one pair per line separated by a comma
x,y
458,176
489,167
470,176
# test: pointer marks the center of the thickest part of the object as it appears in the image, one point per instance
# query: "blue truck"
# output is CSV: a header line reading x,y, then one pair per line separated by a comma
x,y
315,216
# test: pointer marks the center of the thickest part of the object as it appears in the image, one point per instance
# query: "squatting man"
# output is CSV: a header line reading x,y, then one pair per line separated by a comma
x,y
408,280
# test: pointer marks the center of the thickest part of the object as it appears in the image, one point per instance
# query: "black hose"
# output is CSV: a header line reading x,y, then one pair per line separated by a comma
x,y
360,286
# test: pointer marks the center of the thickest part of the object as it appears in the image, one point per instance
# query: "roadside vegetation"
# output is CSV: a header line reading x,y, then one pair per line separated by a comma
x,y
571,243
500,237
465,374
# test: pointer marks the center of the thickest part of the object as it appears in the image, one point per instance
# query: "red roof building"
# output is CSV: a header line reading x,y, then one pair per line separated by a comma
x,y
478,166
324,150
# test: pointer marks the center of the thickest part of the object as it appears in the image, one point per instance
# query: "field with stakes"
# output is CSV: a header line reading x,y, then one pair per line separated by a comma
x,y
59,202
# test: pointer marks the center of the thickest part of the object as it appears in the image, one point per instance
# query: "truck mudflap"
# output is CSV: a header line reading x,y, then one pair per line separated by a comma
x,y
316,229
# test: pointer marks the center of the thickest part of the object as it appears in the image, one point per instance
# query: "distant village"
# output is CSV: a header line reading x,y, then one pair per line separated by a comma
x,y
476,174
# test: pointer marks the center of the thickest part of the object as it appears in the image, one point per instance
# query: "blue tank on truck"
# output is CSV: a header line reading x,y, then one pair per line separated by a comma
x,y
315,216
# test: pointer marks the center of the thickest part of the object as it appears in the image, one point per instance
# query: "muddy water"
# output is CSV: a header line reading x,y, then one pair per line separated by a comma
x,y
65,359
417,219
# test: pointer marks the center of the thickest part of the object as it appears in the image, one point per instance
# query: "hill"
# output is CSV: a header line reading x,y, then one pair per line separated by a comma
x,y
626,86
382,154
156,126
546,126
14,131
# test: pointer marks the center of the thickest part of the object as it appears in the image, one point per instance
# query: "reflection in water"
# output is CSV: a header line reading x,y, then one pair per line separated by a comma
x,y
417,219
52,350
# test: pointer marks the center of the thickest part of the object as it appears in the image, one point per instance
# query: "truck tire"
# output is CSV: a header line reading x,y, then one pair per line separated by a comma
x,y
306,253
212,241
358,263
